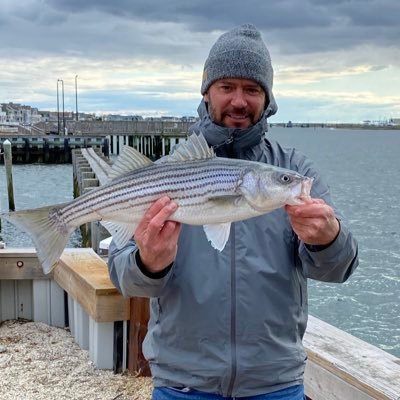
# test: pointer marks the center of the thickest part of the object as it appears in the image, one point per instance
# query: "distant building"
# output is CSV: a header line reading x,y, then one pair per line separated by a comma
x,y
117,117
3,117
394,121
20,114
191,119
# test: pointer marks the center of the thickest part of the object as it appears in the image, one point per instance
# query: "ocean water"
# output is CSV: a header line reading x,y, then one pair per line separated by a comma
x,y
362,169
35,185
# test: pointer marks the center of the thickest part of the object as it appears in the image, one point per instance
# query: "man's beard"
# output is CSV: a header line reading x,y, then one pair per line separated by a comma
x,y
229,111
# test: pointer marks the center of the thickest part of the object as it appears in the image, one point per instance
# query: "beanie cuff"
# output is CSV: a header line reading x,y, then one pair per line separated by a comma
x,y
235,64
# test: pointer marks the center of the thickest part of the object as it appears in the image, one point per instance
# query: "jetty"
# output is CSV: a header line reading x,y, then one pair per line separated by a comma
x,y
78,294
43,142
49,149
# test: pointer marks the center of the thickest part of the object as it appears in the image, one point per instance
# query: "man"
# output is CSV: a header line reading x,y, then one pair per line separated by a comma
x,y
230,325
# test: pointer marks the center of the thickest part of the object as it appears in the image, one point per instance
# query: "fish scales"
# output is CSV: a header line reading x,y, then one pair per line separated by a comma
x,y
186,184
209,190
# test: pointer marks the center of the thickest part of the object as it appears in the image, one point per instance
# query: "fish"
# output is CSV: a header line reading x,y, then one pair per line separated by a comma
x,y
209,190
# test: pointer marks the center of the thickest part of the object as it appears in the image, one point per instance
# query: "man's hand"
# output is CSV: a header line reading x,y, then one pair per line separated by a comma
x,y
156,237
314,222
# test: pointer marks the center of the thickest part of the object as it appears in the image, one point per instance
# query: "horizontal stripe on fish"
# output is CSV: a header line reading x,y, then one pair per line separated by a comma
x,y
198,183
209,190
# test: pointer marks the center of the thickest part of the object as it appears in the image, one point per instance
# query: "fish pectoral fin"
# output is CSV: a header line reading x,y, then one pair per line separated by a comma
x,y
218,234
220,201
121,232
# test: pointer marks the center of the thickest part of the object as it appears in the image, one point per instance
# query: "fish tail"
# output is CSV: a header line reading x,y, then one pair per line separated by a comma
x,y
47,231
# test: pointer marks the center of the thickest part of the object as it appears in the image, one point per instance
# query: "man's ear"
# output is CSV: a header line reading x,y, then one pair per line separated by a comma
x,y
205,97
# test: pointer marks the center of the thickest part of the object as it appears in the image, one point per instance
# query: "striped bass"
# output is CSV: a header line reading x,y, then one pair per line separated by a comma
x,y
209,190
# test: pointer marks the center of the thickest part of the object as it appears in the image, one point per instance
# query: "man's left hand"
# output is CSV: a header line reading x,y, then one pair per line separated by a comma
x,y
314,222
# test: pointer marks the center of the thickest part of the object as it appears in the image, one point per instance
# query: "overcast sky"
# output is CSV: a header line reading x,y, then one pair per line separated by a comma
x,y
334,60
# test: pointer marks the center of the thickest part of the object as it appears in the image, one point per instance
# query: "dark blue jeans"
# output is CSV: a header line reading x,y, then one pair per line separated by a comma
x,y
165,393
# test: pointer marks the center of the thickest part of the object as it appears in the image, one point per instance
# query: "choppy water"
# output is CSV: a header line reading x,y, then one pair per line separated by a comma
x,y
35,185
362,169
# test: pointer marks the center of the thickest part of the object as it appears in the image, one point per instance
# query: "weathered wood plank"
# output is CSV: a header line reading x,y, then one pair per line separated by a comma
x,y
84,276
98,165
20,264
321,384
357,365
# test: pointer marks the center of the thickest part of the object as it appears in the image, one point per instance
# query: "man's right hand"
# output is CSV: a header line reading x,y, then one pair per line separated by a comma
x,y
156,237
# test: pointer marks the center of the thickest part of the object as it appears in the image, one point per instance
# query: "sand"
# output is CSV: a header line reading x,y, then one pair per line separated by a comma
x,y
42,362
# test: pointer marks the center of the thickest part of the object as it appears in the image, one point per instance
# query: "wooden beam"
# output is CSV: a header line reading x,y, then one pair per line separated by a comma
x,y
342,366
20,264
84,276
139,318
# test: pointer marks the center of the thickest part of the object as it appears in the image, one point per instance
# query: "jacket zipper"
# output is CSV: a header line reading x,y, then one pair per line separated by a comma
x,y
295,241
233,311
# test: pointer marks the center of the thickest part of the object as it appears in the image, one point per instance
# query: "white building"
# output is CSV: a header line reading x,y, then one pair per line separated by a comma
x,y
20,114
3,117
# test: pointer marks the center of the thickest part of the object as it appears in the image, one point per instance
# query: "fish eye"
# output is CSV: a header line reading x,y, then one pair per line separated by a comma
x,y
284,178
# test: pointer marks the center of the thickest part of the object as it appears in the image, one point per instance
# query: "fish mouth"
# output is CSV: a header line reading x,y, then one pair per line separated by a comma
x,y
304,191
306,187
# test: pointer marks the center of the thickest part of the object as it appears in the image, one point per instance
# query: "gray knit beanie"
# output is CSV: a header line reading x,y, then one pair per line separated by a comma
x,y
240,53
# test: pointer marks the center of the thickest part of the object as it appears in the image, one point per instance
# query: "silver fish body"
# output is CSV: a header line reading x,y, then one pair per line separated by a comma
x,y
209,191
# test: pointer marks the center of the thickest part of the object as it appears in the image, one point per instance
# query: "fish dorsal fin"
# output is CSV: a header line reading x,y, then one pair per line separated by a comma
x,y
129,160
194,148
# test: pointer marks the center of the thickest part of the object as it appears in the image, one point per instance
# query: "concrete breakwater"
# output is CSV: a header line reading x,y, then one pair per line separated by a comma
x,y
50,149
58,149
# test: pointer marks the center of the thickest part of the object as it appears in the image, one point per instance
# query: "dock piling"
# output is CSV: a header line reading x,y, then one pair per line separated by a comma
x,y
8,166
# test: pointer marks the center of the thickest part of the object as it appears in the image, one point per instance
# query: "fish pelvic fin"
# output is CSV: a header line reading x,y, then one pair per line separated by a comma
x,y
120,232
48,233
218,234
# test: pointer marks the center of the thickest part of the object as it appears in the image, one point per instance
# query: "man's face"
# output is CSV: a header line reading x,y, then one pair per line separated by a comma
x,y
235,103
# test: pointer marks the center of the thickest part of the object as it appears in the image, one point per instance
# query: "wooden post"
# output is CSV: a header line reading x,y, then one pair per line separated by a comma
x,y
139,317
8,166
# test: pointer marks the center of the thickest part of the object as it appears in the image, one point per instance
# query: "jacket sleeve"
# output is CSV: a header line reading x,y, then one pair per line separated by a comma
x,y
336,262
128,277
332,264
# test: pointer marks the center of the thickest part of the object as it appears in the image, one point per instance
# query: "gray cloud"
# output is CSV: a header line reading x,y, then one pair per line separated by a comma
x,y
144,54
173,28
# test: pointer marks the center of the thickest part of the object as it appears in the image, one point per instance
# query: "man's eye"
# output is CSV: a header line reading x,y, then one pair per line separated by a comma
x,y
253,91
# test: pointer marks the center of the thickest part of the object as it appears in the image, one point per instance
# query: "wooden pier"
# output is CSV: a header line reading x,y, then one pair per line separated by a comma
x,y
78,294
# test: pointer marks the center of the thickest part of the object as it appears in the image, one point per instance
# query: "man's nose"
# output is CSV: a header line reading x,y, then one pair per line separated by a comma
x,y
238,99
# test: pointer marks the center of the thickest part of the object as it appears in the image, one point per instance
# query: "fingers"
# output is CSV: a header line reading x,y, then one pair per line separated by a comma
x,y
156,236
156,216
311,208
314,221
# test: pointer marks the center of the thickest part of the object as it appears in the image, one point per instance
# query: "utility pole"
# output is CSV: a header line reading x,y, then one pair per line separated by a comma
x,y
76,97
63,110
58,111
62,85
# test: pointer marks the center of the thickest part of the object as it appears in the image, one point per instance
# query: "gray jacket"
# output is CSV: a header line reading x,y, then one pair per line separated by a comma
x,y
232,323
